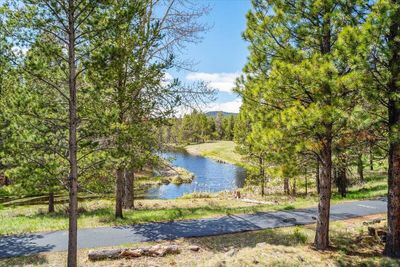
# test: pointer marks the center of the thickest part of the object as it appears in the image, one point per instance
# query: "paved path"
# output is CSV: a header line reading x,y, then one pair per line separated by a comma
x,y
27,244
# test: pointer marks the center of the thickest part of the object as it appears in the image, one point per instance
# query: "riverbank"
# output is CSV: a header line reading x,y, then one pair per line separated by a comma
x,y
163,175
223,151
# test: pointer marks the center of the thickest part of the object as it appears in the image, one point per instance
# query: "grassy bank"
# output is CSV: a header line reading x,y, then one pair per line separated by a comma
x,y
218,150
351,246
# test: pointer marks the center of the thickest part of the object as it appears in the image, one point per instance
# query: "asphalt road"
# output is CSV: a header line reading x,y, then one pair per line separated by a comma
x,y
28,244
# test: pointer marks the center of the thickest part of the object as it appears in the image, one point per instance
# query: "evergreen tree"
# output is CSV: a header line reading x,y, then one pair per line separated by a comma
x,y
373,49
294,80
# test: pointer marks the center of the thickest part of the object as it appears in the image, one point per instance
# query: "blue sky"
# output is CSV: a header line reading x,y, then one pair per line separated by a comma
x,y
222,53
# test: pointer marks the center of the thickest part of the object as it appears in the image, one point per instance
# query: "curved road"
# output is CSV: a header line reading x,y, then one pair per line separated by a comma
x,y
28,244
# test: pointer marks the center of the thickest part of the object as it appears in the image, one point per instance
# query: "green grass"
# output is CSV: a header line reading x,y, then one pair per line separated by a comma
x,y
95,213
218,150
29,214
375,185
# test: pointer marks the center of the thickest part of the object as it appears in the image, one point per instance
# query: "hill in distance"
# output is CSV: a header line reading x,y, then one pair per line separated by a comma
x,y
224,114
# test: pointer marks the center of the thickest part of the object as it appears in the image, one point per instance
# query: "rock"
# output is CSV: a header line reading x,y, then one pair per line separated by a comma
x,y
236,194
374,221
262,244
104,254
377,220
173,249
382,235
220,264
371,231
194,248
230,253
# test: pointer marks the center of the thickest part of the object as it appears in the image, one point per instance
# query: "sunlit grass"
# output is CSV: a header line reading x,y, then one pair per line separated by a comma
x,y
96,213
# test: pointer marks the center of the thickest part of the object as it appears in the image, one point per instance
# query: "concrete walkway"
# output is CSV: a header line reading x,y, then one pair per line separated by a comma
x,y
28,244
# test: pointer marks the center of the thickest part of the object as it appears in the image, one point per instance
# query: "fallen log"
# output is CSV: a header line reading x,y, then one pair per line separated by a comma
x,y
96,255
153,251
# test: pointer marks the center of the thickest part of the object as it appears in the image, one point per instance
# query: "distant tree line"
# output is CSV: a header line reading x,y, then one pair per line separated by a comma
x,y
198,127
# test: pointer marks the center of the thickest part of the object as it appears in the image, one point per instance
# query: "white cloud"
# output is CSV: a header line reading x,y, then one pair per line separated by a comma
x,y
168,76
224,82
167,79
231,106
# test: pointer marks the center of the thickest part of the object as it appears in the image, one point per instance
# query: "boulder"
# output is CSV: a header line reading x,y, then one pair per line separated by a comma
x,y
194,248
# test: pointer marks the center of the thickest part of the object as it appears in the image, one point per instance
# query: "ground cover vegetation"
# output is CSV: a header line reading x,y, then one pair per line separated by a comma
x,y
86,104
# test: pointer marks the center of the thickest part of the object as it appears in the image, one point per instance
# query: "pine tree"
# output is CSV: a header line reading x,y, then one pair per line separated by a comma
x,y
293,79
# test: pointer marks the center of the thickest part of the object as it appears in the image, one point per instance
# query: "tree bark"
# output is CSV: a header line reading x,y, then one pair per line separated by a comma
x,y
360,167
119,192
262,176
321,241
129,190
317,175
294,186
286,188
392,247
51,202
341,180
72,142
306,182
371,158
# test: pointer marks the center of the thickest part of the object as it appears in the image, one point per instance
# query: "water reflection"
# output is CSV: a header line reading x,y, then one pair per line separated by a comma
x,y
210,176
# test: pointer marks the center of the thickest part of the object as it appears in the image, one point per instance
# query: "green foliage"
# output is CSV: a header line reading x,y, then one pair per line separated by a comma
x,y
197,127
299,236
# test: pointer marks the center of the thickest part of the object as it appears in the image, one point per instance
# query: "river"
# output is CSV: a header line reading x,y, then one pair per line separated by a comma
x,y
210,176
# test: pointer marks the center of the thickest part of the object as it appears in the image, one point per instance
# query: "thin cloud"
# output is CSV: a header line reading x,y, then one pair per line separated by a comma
x,y
223,81
231,106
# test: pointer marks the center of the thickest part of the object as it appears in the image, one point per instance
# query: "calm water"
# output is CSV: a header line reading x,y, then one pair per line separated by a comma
x,y
210,176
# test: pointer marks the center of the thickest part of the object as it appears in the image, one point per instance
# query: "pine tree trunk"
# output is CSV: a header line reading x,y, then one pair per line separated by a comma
x,y
72,142
129,194
360,168
262,176
371,158
321,241
286,188
294,186
317,175
119,192
392,247
306,182
341,180
51,202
